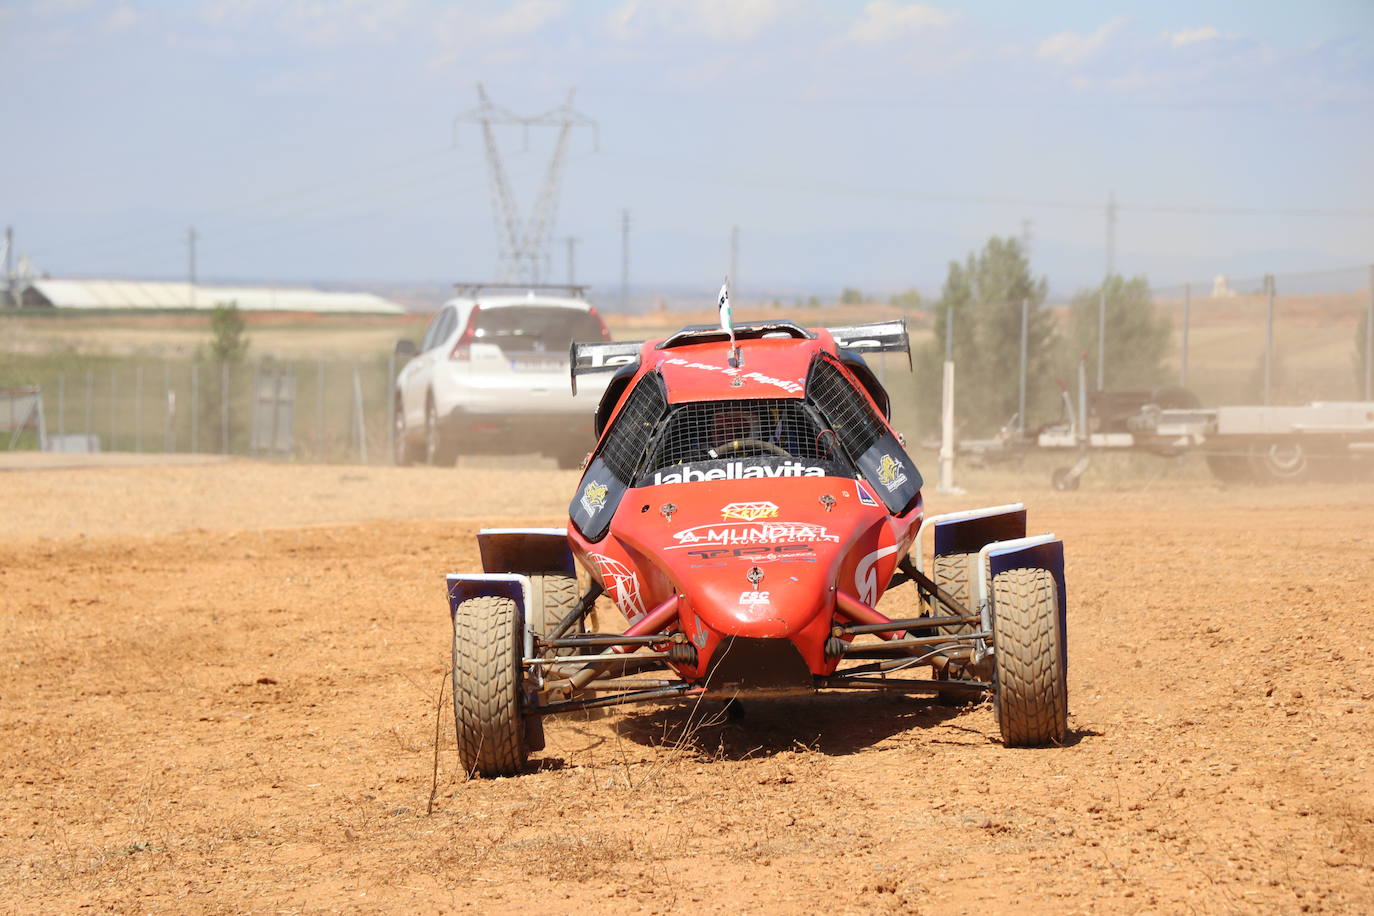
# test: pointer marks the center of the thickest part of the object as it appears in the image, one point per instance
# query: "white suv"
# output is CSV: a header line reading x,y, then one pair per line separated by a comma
x,y
491,376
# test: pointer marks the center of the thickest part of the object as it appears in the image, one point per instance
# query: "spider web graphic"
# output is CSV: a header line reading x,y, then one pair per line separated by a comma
x,y
622,584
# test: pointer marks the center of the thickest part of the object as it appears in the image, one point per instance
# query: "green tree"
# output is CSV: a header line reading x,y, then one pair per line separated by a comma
x,y
851,296
908,299
228,343
1137,338
228,347
984,295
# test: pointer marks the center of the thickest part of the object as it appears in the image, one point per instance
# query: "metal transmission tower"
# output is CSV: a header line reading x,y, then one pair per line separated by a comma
x,y
524,243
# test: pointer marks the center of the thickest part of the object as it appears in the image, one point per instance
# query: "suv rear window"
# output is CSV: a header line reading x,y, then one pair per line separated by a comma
x,y
533,328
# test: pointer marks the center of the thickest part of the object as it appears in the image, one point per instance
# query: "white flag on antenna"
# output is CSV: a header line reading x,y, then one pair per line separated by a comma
x,y
727,323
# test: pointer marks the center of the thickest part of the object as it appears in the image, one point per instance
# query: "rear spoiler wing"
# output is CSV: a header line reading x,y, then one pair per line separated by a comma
x,y
875,337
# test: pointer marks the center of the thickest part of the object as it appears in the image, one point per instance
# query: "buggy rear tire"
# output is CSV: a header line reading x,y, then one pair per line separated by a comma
x,y
951,574
551,598
1030,693
487,701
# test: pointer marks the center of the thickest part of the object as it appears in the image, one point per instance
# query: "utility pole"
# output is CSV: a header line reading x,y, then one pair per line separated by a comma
x,y
734,263
1102,295
191,264
624,260
1026,237
572,259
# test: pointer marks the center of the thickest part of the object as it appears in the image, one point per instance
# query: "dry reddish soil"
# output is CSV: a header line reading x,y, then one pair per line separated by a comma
x,y
220,688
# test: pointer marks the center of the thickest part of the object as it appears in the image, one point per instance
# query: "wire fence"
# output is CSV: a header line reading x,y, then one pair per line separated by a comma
x,y
1274,339
315,410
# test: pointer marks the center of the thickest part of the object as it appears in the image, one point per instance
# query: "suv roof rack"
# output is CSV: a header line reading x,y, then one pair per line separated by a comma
x,y
472,289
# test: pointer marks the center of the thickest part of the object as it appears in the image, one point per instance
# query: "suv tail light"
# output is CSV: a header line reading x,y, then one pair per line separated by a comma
x,y
461,348
600,322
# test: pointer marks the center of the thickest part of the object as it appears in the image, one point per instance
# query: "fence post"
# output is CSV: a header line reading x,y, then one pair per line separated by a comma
x,y
138,409
1187,306
1268,338
359,417
224,407
62,408
386,399
114,409
168,421
195,406
319,411
90,383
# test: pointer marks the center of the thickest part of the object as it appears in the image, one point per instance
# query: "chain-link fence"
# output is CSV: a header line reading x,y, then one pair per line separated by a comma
x,y
1275,339
316,410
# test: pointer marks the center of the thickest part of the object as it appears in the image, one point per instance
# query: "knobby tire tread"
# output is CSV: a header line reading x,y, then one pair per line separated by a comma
x,y
1031,694
486,687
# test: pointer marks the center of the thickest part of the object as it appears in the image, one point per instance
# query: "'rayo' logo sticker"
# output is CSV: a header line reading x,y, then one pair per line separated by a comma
x,y
737,470
749,512
890,473
593,497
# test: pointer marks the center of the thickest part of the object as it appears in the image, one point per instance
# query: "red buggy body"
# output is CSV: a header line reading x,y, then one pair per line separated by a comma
x,y
746,507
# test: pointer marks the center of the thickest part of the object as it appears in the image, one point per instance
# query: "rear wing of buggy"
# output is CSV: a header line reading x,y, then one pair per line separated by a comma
x,y
875,337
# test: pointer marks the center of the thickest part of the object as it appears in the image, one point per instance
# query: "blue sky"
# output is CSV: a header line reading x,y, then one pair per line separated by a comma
x,y
853,143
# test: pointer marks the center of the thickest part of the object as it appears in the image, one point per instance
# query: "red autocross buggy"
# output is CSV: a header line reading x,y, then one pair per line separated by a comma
x,y
746,506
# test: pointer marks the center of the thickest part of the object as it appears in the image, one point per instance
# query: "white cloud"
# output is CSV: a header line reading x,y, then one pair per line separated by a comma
x,y
461,30
1192,36
885,19
720,20
1072,48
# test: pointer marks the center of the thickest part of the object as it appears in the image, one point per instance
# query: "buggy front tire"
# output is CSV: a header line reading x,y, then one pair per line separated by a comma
x,y
487,702
1029,686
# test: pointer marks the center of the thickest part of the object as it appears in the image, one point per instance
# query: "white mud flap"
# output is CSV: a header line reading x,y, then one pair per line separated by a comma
x,y
531,551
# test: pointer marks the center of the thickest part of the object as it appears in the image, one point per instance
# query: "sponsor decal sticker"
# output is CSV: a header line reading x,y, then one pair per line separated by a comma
x,y
737,470
593,497
758,553
754,599
890,473
788,385
748,534
749,512
622,585
865,497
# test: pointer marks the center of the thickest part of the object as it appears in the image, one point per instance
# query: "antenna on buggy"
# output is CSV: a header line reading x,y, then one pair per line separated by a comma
x,y
727,323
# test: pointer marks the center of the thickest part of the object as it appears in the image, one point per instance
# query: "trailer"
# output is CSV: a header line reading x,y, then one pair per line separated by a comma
x,y
1330,440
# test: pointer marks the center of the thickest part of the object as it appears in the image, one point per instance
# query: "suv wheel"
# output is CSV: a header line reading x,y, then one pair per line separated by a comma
x,y
438,451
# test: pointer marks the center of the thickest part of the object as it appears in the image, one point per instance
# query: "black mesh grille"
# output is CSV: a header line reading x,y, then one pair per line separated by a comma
x,y
762,428
632,427
848,413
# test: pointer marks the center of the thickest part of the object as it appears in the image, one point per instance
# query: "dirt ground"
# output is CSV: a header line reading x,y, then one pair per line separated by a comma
x,y
221,694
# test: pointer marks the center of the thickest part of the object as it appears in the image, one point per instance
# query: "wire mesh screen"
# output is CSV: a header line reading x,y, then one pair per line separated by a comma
x,y
631,430
848,413
762,428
